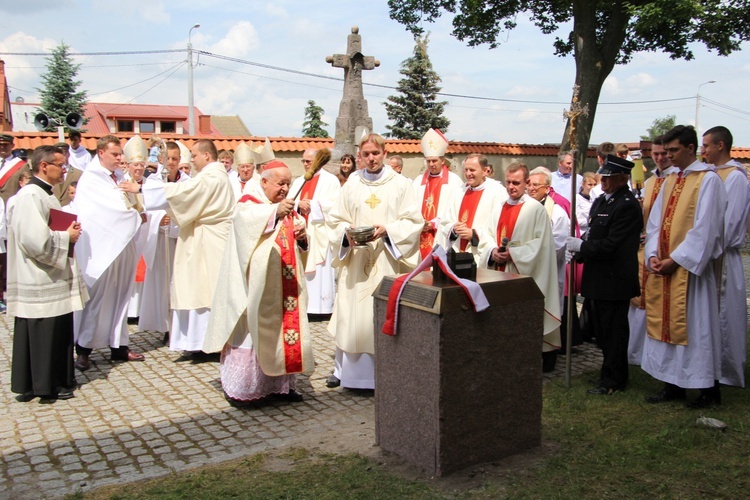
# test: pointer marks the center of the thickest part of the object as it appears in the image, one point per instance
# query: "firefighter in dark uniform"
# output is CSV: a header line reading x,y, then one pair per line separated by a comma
x,y
610,270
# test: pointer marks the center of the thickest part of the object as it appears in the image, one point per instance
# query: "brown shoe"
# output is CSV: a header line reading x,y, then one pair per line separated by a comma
x,y
82,362
125,354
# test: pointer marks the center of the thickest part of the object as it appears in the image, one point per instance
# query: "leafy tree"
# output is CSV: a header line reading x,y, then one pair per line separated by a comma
x,y
605,33
60,95
415,110
660,127
313,124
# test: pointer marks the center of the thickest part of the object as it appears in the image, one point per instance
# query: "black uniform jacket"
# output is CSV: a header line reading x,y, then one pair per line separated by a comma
x,y
610,252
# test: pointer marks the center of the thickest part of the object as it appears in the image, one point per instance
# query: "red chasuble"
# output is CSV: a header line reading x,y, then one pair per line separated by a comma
x,y
308,190
506,225
433,187
466,213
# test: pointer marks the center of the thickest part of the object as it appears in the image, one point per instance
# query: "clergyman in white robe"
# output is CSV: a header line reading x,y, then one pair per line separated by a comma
x,y
201,206
696,365
319,273
107,255
384,198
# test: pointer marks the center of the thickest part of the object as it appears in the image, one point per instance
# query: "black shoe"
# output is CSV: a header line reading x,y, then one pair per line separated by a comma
x,y
165,340
707,399
602,391
83,362
669,393
240,403
25,397
65,393
292,396
333,381
47,400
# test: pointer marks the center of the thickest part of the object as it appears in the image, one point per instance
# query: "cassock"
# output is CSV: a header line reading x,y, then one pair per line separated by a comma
x,y
158,257
44,288
526,225
733,300
107,254
201,206
435,193
637,310
258,316
475,207
697,364
322,191
385,198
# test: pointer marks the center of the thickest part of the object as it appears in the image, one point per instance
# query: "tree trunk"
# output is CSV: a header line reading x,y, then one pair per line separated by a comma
x,y
595,59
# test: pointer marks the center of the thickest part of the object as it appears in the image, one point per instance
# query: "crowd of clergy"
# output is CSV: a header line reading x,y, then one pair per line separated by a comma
x,y
224,253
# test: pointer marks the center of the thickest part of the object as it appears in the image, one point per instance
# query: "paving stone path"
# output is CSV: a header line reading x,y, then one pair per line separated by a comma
x,y
133,421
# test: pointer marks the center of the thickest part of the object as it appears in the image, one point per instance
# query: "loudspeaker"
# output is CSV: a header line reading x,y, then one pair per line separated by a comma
x,y
41,121
73,121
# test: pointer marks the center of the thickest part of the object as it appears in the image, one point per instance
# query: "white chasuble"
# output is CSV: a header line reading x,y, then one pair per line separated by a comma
x,y
532,251
386,199
252,299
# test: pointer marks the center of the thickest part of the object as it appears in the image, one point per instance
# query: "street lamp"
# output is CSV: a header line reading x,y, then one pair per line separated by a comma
x,y
191,105
698,106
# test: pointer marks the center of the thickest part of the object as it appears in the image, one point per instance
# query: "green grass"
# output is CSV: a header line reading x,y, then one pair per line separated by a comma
x,y
602,447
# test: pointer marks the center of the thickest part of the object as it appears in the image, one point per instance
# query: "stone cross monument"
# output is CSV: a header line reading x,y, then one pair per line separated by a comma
x,y
353,108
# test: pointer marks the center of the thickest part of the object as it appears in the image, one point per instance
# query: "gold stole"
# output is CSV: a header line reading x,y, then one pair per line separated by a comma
x,y
649,197
666,310
724,172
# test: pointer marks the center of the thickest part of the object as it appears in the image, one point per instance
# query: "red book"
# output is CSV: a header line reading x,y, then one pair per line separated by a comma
x,y
61,221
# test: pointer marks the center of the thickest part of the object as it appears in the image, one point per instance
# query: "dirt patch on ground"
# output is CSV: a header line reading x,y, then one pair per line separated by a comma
x,y
360,439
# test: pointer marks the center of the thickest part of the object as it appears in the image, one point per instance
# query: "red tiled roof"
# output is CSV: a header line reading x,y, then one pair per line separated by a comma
x,y
30,140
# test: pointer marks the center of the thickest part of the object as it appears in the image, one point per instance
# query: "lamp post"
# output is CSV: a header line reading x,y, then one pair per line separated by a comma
x,y
191,106
698,106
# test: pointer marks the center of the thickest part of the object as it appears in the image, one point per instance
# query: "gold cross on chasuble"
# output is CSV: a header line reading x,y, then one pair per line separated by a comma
x,y
373,201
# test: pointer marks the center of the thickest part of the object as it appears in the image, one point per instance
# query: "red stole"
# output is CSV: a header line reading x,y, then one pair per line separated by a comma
x,y
140,271
469,205
290,321
507,224
431,200
15,168
290,290
308,190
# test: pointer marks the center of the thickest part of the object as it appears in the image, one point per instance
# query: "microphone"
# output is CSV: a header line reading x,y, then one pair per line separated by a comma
x,y
504,245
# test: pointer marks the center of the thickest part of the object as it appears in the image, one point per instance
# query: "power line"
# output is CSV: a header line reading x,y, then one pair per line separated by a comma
x,y
326,77
76,54
175,68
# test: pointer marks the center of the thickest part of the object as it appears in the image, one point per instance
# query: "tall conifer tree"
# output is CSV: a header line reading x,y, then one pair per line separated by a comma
x,y
415,110
60,95
313,124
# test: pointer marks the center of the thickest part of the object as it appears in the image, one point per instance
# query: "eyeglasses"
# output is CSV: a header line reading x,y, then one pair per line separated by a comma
x,y
55,164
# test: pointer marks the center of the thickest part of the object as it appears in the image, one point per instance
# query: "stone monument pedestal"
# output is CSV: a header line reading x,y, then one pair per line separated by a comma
x,y
455,387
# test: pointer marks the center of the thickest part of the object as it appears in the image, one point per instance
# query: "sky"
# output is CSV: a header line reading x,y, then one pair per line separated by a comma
x,y
298,35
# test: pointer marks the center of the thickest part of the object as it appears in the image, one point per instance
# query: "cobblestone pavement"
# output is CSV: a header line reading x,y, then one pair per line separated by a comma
x,y
131,421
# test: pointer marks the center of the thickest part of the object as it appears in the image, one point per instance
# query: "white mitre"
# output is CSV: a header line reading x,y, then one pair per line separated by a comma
x,y
265,154
360,133
185,155
135,150
434,144
244,155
